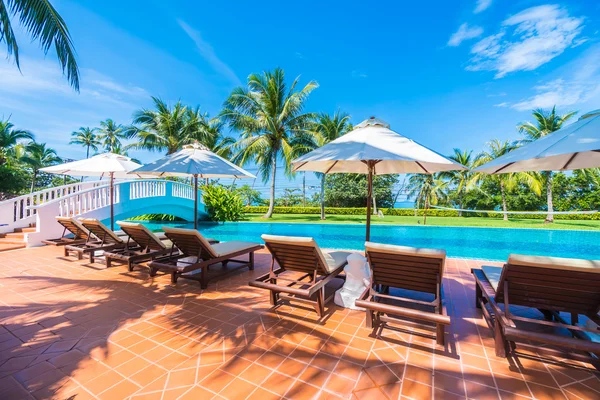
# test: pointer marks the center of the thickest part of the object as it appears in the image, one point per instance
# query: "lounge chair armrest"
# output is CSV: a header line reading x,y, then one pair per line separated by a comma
x,y
404,312
279,288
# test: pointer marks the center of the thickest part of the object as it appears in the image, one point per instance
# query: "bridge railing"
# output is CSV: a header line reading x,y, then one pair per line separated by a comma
x,y
182,190
147,188
18,211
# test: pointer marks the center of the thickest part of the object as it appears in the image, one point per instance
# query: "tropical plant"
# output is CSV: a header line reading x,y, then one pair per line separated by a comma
x,y
164,128
427,190
208,131
110,134
249,195
350,190
38,156
10,138
44,24
86,137
546,122
461,179
327,128
221,203
269,115
507,181
290,198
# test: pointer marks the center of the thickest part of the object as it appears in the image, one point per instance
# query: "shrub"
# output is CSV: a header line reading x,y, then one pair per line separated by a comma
x,y
222,204
409,212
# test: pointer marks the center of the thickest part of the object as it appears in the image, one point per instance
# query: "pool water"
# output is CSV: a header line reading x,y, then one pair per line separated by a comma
x,y
479,243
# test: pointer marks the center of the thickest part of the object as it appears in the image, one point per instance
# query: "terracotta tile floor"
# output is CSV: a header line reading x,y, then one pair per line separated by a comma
x,y
78,331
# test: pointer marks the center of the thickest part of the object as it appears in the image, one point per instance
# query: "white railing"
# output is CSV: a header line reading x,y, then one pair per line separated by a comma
x,y
87,200
182,190
23,207
146,188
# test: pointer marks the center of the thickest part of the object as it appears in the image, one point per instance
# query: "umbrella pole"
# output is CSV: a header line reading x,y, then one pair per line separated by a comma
x,y
112,201
195,201
369,199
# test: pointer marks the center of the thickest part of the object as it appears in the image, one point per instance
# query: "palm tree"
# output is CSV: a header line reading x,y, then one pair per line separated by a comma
x,y
426,189
10,137
269,115
546,123
38,156
86,137
463,179
326,129
43,23
163,129
208,131
506,181
110,134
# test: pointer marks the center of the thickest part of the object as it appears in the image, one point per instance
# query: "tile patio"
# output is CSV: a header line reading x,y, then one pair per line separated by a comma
x,y
74,330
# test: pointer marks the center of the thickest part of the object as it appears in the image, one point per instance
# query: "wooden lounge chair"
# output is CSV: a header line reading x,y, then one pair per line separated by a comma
x,y
142,245
196,253
565,291
418,297
302,255
73,232
100,238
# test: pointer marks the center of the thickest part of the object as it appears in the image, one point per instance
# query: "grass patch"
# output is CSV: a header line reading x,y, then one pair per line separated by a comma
x,y
431,221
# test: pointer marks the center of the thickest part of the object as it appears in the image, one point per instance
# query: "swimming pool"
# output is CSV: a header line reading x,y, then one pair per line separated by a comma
x,y
481,243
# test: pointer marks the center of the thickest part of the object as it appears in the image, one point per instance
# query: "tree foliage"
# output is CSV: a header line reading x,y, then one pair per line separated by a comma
x,y
350,190
222,204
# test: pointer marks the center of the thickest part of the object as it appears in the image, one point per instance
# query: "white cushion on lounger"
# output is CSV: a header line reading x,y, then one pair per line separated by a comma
x,y
570,264
335,259
404,250
222,249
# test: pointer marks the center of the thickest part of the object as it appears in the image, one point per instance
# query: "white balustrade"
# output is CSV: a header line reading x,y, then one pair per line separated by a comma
x,y
143,189
15,211
182,190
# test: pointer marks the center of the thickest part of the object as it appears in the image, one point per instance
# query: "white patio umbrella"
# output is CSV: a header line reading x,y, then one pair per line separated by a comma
x,y
194,160
106,164
372,148
575,146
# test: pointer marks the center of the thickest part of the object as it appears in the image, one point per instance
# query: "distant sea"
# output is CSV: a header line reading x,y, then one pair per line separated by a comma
x,y
404,204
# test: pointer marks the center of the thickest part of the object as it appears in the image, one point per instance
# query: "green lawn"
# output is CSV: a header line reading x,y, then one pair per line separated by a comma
x,y
433,221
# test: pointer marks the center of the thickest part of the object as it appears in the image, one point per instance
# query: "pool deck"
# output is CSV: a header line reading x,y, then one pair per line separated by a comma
x,y
74,330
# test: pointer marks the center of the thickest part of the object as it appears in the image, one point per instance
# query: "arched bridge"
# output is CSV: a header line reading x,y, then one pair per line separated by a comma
x,y
92,200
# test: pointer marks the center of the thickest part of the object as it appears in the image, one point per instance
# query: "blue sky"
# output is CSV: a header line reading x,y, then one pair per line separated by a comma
x,y
447,74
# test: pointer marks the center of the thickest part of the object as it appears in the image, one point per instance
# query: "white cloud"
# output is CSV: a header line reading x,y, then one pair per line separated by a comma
x,y
358,74
503,104
526,41
208,53
581,85
464,32
482,5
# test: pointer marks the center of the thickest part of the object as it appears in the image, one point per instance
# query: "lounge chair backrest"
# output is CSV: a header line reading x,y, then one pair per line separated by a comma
x,y
408,268
551,283
141,235
190,242
101,231
73,226
297,253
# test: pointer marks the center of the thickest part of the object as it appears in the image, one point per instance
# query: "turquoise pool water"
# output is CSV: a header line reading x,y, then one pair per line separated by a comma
x,y
482,243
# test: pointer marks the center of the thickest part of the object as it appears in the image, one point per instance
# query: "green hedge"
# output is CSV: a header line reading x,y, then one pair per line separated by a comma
x,y
409,212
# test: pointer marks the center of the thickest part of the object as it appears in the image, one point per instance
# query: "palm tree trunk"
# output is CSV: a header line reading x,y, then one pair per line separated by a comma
x,y
426,207
269,213
460,203
374,205
33,179
550,216
503,200
323,197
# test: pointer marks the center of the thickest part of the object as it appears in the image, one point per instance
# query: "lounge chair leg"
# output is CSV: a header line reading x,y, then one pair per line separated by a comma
x,y
369,319
108,261
440,334
174,277
203,282
130,266
153,272
91,257
319,307
274,298
478,295
66,252
79,255
251,266
500,342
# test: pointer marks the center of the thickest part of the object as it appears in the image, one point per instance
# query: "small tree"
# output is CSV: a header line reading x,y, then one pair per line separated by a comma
x,y
38,156
222,204
249,195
